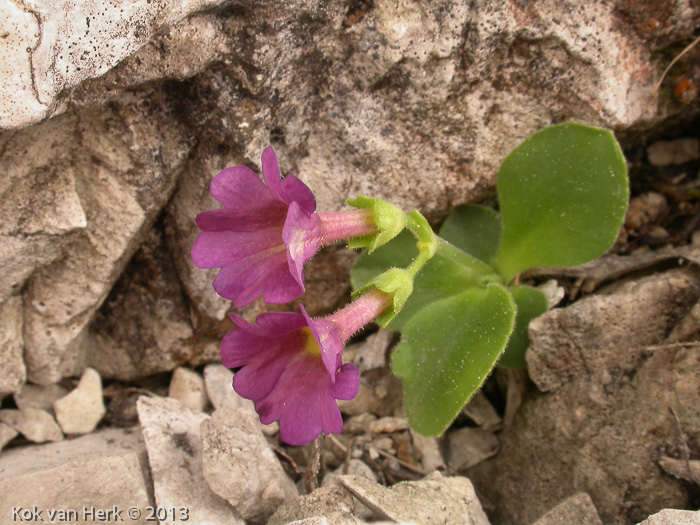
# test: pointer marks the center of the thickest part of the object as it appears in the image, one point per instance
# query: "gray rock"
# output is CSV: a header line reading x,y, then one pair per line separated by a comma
x,y
11,346
39,396
101,470
171,433
240,466
80,411
333,503
576,509
430,456
7,434
355,467
673,517
371,353
388,424
187,386
435,499
36,425
470,446
218,381
481,411
673,152
611,373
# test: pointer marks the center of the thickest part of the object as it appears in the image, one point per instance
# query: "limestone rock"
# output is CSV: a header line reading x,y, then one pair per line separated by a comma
x,y
101,470
36,425
469,446
576,509
11,347
39,396
334,503
611,379
673,152
219,385
430,456
355,467
481,411
673,517
433,499
171,433
240,466
187,386
80,411
7,434
387,424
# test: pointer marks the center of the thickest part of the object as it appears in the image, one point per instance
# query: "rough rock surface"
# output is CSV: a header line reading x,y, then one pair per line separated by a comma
x,y
171,433
34,424
80,411
414,103
576,509
101,470
334,503
187,386
7,434
240,466
619,399
39,396
673,517
11,346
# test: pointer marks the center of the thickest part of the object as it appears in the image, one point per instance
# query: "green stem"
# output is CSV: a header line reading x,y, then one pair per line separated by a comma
x,y
450,252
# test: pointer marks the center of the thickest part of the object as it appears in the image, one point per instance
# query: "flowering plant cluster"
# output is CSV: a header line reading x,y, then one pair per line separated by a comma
x,y
453,296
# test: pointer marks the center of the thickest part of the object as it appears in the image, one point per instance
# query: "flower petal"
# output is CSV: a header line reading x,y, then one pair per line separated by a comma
x,y
221,248
240,188
329,340
302,238
227,219
288,190
347,382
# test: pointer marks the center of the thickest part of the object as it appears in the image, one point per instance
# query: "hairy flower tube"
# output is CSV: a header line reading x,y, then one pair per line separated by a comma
x,y
292,365
266,232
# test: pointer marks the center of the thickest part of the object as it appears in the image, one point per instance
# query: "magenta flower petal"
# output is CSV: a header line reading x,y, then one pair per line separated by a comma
x,y
261,238
284,359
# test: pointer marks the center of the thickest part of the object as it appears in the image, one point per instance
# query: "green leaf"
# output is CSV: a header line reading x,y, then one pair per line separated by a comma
x,y
530,303
474,229
446,352
563,195
439,278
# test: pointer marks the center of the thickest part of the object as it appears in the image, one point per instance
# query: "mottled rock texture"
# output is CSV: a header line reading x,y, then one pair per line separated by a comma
x,y
114,118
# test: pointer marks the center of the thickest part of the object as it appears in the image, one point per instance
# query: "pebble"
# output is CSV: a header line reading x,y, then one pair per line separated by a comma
x,y
7,434
187,386
36,425
218,381
469,446
80,411
481,411
388,424
667,152
430,456
241,467
38,396
577,509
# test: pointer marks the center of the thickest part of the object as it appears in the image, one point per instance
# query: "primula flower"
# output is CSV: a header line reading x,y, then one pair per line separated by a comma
x,y
265,233
292,365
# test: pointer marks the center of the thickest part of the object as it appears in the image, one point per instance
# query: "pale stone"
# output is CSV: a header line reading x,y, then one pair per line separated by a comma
x,y
101,470
577,509
219,385
481,411
11,347
187,386
333,503
36,425
434,499
355,467
241,467
172,436
469,446
430,456
39,396
7,434
80,411
673,152
388,424
673,517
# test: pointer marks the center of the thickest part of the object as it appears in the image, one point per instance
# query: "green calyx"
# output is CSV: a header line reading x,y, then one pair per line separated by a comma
x,y
389,219
396,282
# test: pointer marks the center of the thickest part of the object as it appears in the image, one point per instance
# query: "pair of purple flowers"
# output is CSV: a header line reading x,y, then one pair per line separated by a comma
x,y
291,363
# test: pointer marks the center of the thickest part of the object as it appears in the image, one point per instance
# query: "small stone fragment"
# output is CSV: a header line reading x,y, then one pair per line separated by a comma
x,y
469,446
673,517
36,425
577,509
333,503
80,411
38,396
359,424
11,345
673,152
687,470
429,448
434,499
218,381
371,353
645,209
481,411
187,386
7,434
355,467
174,446
241,467
388,424
102,470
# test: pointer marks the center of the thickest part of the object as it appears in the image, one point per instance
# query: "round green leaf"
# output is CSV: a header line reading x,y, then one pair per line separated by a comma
x,y
446,352
439,278
563,195
474,229
530,303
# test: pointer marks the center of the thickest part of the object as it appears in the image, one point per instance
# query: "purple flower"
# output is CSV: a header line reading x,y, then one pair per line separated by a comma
x,y
262,236
292,365
293,370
